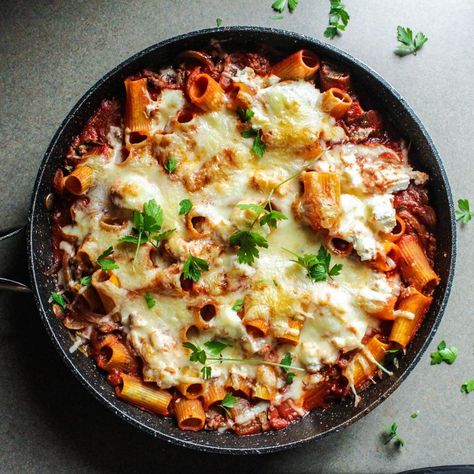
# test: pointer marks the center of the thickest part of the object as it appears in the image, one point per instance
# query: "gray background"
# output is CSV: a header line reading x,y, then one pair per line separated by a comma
x,y
50,54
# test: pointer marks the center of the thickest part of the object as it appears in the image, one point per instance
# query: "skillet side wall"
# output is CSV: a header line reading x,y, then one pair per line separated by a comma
x,y
318,423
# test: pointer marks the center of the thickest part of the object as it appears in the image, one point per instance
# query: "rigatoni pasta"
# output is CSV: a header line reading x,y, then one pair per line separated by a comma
x,y
239,241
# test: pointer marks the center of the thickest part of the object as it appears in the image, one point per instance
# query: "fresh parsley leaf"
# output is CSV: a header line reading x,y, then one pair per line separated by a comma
x,y
292,4
245,114
185,206
215,347
286,364
86,280
410,44
198,354
271,218
279,5
171,164
392,434
107,263
253,207
150,300
229,401
152,217
134,239
338,19
58,299
238,305
161,236
193,267
318,266
248,242
463,214
218,22
206,372
414,415
444,354
277,17
468,386
258,146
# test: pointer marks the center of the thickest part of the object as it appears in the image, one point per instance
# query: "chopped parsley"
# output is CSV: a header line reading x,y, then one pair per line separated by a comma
x,y
286,364
279,5
414,414
245,114
270,217
444,354
338,19
171,164
409,44
392,434
193,267
150,300
318,266
218,22
468,386
228,402
185,206
463,214
238,305
86,280
248,243
58,299
258,146
107,263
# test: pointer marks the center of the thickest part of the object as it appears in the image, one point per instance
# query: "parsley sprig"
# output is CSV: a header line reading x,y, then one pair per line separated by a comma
x,y
286,364
444,354
213,352
58,299
279,5
338,19
318,266
468,386
147,225
249,241
185,207
228,402
463,214
245,114
150,300
258,146
171,164
410,44
106,263
86,280
193,267
392,434
238,305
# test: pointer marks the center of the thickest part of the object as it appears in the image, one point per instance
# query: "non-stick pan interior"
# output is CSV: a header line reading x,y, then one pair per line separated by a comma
x,y
319,422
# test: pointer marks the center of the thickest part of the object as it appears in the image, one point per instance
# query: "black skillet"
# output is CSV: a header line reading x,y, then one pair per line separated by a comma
x,y
320,422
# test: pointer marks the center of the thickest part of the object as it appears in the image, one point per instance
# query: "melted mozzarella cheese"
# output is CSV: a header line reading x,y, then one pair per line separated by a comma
x,y
217,170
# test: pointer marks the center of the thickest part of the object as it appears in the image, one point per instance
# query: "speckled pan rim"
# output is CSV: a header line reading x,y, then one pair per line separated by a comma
x,y
228,449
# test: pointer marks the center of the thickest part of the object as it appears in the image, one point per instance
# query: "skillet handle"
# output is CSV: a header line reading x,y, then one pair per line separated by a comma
x,y
7,283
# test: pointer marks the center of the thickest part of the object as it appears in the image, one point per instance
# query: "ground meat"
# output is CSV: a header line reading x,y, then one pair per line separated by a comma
x,y
415,200
276,421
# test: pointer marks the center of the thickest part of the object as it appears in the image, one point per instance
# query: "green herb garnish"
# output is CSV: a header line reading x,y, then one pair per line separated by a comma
x,y
245,114
279,5
463,214
444,354
171,164
58,299
258,146
468,386
107,263
286,364
228,402
218,22
338,19
410,44
238,305
86,280
150,300
185,206
392,434
248,243
193,267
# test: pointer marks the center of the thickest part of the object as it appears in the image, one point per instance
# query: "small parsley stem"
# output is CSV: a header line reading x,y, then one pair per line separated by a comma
x,y
254,361
138,247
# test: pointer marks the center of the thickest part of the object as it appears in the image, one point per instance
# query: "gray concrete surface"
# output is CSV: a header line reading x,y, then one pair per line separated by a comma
x,y
51,52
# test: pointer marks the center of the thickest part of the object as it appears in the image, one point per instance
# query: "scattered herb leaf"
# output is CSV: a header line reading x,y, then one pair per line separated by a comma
x,y
86,280
292,4
171,164
107,263
228,402
150,300
215,347
318,266
58,299
338,19
279,5
245,114
463,214
468,386
286,364
206,372
218,22
248,242
193,267
238,305
444,354
258,146
410,44
185,206
269,218
414,415
392,434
